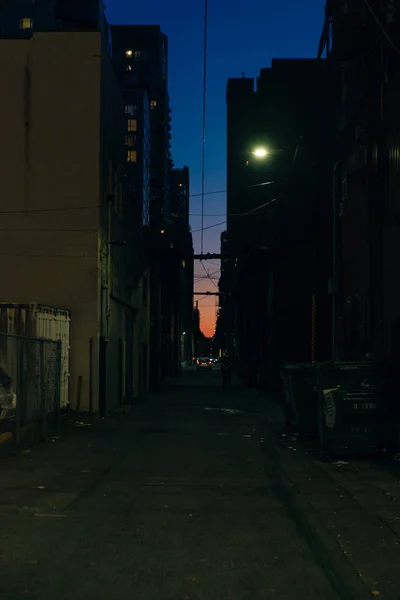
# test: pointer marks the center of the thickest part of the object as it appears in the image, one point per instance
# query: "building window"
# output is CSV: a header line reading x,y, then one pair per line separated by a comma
x,y
130,141
130,110
131,156
129,53
26,23
132,125
136,54
153,104
129,67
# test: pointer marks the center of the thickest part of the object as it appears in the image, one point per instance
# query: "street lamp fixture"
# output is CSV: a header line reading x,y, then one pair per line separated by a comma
x,y
260,152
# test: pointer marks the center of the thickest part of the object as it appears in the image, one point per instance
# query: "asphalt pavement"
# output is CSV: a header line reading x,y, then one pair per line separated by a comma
x,y
197,494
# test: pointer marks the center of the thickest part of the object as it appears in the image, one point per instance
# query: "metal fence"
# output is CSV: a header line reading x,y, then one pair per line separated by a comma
x,y
30,377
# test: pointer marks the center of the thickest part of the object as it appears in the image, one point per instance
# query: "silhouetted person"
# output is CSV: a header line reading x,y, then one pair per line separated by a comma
x,y
226,370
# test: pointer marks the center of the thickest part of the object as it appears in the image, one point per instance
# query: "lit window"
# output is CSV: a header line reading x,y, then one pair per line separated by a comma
x,y
129,68
131,157
153,104
181,185
132,125
129,53
26,23
130,110
130,140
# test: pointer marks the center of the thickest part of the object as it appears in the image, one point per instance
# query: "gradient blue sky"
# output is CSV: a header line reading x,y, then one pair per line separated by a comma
x,y
242,37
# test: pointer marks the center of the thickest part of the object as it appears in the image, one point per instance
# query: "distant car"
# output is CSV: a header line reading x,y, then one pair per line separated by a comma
x,y
204,363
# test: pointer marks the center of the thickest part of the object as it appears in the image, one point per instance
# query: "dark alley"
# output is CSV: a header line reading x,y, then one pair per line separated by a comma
x,y
195,494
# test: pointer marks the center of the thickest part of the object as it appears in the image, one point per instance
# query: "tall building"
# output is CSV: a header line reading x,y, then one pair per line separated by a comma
x,y
20,18
140,56
276,225
63,244
364,176
137,144
179,200
181,239
225,326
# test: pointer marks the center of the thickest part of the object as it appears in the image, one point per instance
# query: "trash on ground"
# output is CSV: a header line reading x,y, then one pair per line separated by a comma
x,y
340,463
246,436
40,487
81,424
229,411
49,515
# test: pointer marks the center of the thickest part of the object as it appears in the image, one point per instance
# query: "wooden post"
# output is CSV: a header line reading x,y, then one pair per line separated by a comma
x,y
313,327
79,394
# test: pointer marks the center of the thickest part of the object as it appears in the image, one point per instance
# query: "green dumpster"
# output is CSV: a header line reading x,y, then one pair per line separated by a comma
x,y
353,407
301,397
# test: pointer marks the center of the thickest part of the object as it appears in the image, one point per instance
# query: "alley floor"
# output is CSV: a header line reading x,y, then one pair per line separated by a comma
x,y
196,494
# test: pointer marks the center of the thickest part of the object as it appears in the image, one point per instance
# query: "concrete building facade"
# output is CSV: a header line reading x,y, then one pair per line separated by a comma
x,y
277,232
19,19
140,57
63,242
181,239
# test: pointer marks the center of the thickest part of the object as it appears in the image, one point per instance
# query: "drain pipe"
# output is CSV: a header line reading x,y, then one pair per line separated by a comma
x,y
334,289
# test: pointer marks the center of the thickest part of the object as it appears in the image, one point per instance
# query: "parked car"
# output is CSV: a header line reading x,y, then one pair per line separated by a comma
x,y
204,363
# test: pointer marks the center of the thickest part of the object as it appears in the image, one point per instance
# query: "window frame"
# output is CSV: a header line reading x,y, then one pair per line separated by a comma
x,y
130,155
131,125
22,25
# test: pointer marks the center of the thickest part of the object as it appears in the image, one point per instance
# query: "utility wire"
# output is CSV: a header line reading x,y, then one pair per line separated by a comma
x,y
208,274
203,154
225,190
199,299
381,27
55,209
249,213
352,61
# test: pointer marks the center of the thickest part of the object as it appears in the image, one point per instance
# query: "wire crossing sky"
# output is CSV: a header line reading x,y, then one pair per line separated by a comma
x,y
241,37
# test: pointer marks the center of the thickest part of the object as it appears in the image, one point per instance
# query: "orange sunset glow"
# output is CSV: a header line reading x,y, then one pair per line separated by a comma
x,y
206,275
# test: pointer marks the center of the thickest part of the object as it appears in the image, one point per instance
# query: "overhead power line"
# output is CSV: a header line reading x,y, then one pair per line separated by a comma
x,y
203,153
381,27
254,185
250,212
208,275
93,206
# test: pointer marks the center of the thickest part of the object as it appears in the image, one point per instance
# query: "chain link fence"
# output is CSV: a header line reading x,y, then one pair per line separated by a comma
x,y
30,378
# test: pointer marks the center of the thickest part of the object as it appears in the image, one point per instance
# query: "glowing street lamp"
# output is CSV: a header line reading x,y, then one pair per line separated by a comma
x,y
260,152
